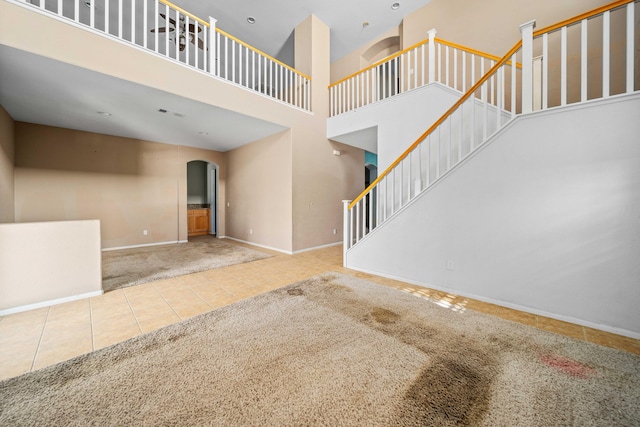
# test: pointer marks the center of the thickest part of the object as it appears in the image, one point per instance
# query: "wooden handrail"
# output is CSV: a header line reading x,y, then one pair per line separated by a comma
x,y
441,41
455,106
474,51
375,64
582,16
258,51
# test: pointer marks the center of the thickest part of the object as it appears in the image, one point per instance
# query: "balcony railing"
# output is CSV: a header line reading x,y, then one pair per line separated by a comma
x,y
431,60
169,31
561,64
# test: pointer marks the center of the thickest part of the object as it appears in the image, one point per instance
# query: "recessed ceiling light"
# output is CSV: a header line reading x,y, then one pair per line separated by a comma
x,y
103,113
251,20
203,133
395,6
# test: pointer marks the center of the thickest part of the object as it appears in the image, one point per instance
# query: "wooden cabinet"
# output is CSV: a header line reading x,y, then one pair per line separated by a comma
x,y
198,221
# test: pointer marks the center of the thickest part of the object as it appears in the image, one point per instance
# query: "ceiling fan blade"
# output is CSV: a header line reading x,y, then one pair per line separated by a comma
x,y
170,19
192,28
200,42
161,30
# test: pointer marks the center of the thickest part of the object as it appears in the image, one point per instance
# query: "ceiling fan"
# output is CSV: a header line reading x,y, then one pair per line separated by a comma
x,y
182,32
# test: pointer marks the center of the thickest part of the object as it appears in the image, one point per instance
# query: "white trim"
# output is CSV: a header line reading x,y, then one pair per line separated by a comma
x,y
49,303
328,245
116,248
281,250
569,319
255,244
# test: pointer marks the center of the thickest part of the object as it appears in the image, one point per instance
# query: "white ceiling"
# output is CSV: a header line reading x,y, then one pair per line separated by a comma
x,y
36,89
275,20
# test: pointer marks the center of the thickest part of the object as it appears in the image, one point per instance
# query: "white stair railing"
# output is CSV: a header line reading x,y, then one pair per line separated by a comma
x,y
496,99
172,32
431,60
588,57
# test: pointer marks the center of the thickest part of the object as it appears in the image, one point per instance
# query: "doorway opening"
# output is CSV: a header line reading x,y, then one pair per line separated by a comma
x,y
370,175
202,199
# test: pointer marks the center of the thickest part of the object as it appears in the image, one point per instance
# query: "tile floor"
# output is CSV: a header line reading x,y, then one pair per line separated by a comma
x,y
42,337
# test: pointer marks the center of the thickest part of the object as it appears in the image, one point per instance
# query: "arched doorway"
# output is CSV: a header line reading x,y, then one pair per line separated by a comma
x,y
202,198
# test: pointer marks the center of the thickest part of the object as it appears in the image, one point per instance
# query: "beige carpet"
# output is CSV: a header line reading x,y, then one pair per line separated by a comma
x,y
335,350
128,267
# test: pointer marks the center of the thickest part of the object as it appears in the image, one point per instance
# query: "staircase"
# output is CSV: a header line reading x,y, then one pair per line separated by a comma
x,y
521,193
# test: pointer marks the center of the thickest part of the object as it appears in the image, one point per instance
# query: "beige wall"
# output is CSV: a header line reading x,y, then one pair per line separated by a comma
x,y
288,188
320,179
6,167
129,185
357,59
492,26
259,192
47,262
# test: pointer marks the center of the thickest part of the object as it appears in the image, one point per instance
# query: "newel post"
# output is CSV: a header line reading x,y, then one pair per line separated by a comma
x,y
345,231
526,30
432,55
212,45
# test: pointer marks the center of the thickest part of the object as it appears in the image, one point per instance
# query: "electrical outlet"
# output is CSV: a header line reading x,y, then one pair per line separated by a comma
x,y
450,265
251,231
335,231
144,232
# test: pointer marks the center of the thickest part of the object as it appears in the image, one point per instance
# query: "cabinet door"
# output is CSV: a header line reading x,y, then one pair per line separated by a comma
x,y
191,224
201,223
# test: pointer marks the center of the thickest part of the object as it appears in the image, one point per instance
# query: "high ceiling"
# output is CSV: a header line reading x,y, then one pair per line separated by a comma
x,y
39,90
276,20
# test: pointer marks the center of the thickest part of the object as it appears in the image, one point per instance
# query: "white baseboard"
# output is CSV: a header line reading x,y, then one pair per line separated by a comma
x,y
257,245
172,242
318,247
575,321
280,250
49,303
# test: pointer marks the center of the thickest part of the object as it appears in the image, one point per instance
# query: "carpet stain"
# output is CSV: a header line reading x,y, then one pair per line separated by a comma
x,y
382,315
454,388
176,337
566,365
338,288
450,392
295,292
152,346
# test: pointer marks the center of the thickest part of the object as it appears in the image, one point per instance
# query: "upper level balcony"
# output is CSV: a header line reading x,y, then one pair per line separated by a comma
x,y
176,34
163,73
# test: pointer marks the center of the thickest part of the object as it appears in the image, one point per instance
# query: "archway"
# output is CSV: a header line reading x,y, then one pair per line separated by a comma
x,y
202,198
